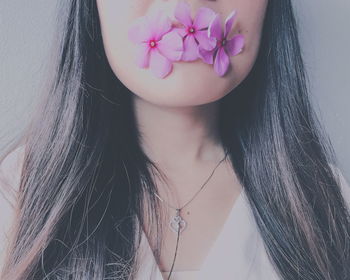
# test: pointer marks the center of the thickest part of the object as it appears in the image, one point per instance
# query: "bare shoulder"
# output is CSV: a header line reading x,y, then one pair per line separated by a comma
x,y
10,174
344,185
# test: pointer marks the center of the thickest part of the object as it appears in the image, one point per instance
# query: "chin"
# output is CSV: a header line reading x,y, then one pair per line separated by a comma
x,y
188,84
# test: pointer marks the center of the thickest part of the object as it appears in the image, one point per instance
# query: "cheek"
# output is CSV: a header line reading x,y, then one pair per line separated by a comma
x,y
252,14
250,24
189,83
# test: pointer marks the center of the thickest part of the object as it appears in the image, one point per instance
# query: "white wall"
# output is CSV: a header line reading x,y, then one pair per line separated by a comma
x,y
26,32
325,37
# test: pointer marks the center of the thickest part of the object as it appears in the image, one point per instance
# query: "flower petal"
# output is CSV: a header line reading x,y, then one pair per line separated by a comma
x,y
160,24
190,49
204,41
183,13
181,31
229,22
206,56
203,18
215,29
235,45
159,64
171,46
221,62
140,30
143,55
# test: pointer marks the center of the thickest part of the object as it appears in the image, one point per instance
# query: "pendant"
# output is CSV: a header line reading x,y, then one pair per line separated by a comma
x,y
177,222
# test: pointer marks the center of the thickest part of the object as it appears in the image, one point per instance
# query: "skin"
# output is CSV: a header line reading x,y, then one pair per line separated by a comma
x,y
177,119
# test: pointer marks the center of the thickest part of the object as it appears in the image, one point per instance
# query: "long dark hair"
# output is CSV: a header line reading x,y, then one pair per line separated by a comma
x,y
85,177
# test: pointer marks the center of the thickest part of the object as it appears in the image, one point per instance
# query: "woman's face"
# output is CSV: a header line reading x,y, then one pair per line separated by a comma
x,y
190,82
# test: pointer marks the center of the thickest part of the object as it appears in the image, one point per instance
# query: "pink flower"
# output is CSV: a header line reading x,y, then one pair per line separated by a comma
x,y
158,44
224,47
194,31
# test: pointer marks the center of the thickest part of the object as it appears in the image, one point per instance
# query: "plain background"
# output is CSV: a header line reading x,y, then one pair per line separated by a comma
x,y
26,34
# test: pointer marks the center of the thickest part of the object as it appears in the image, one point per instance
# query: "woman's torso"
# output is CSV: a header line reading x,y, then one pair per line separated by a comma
x,y
237,252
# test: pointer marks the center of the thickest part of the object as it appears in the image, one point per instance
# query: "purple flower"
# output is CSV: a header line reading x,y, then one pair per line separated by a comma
x,y
157,44
225,47
194,32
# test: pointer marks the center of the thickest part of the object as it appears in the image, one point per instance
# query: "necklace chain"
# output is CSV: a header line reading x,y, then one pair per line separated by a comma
x,y
206,181
177,221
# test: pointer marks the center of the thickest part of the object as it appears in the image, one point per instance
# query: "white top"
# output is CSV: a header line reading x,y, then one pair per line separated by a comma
x,y
238,252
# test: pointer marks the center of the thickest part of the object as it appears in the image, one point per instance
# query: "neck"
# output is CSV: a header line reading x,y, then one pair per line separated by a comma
x,y
171,135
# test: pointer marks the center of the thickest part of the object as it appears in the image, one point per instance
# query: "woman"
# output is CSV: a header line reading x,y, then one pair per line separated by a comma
x,y
166,153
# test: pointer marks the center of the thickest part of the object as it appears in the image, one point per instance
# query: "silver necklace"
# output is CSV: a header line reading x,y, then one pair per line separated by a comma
x,y
177,223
